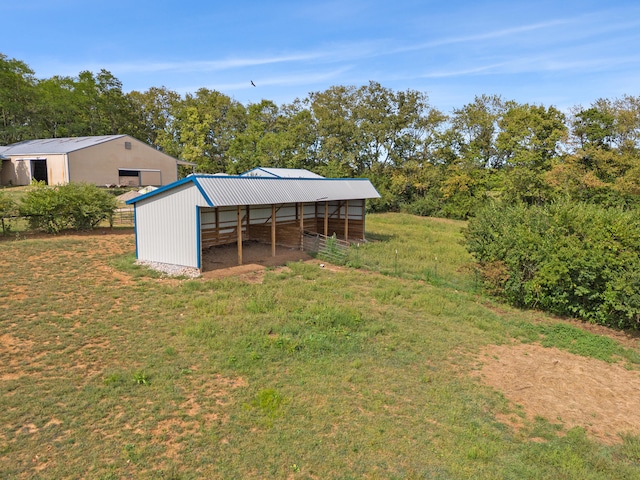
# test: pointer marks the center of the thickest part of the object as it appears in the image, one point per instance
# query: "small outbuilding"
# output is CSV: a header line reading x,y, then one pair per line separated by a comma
x,y
101,160
176,223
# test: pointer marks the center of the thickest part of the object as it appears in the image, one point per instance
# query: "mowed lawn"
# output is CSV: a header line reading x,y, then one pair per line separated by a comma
x,y
108,371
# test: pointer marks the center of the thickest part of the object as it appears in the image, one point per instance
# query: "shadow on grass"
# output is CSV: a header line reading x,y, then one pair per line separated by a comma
x,y
379,237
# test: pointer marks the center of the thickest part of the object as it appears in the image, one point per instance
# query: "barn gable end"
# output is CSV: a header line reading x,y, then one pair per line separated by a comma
x,y
168,226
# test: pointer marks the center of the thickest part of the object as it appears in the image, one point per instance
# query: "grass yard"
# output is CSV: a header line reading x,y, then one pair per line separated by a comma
x,y
109,371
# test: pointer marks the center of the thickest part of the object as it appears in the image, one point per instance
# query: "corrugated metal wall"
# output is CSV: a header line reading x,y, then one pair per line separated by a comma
x,y
167,227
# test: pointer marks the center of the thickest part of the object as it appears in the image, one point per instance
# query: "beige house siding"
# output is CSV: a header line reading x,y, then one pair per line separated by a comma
x,y
18,170
101,164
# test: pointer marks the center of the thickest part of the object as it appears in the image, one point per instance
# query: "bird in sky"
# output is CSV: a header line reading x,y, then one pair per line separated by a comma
x,y
253,83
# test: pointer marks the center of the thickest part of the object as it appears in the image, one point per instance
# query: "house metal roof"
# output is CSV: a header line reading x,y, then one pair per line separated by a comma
x,y
224,191
55,145
281,173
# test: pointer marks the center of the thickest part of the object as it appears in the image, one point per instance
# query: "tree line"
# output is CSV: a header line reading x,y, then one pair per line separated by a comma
x,y
422,160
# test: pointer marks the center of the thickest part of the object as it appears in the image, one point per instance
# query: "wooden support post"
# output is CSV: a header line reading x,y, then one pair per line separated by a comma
x,y
346,220
326,218
248,236
364,218
273,230
239,235
217,225
315,217
301,226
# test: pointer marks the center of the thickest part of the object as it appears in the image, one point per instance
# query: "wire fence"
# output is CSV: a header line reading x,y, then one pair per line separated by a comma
x,y
330,249
393,261
123,217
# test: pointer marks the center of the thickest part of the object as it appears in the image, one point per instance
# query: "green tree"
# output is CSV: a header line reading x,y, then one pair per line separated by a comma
x,y
260,144
530,139
361,128
594,127
275,137
58,113
17,100
203,128
474,129
333,114
603,163
530,135
153,111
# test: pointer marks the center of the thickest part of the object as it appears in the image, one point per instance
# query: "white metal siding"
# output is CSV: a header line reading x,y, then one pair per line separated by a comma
x,y
167,227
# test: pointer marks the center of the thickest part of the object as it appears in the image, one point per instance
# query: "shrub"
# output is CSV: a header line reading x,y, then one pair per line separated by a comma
x,y
76,205
8,209
427,206
45,207
566,258
87,205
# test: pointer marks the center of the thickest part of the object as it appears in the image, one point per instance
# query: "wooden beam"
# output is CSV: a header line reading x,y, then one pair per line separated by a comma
x,y
346,220
364,217
315,217
217,224
247,237
239,235
326,218
273,230
301,226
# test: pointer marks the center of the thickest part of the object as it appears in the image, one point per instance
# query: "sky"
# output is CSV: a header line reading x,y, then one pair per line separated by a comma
x,y
563,53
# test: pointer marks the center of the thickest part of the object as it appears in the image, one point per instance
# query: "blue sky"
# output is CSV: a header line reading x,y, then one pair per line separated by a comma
x,y
560,53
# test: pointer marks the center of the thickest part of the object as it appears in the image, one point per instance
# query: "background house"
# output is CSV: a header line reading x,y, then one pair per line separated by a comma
x,y
176,223
101,160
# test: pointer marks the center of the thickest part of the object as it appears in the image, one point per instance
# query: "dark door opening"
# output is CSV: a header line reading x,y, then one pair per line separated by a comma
x,y
39,171
129,178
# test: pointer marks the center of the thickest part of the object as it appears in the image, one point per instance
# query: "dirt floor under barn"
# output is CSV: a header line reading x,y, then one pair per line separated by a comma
x,y
222,261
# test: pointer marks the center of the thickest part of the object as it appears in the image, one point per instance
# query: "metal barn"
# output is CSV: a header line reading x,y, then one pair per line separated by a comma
x,y
173,224
101,160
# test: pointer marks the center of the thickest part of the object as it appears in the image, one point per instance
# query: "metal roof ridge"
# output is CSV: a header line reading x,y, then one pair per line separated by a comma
x,y
315,179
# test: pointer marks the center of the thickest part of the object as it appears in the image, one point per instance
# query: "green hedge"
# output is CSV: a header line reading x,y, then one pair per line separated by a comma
x,y
79,206
570,259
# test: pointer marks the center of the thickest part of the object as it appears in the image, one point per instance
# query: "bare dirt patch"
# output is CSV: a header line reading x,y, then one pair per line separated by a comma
x,y
565,388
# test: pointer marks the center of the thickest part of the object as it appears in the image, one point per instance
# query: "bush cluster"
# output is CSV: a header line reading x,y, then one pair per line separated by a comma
x,y
571,259
79,206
